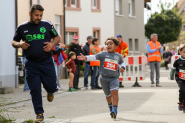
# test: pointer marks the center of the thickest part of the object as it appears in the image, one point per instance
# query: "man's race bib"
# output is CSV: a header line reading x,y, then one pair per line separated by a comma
x,y
110,64
182,74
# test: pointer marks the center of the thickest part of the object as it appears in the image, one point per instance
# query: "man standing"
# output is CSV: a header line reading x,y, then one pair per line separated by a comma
x,y
75,47
123,50
87,63
154,58
36,35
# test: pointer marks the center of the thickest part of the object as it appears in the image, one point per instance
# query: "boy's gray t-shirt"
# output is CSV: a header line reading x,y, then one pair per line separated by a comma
x,y
109,63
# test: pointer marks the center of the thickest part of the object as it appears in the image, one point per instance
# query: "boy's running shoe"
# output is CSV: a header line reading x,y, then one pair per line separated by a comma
x,y
180,107
113,114
73,89
50,97
39,118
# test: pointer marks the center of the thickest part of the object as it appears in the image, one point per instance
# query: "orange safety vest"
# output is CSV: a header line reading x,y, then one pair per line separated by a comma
x,y
94,63
122,48
156,56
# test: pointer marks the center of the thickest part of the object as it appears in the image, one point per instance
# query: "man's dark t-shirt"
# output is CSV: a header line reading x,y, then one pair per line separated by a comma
x,y
36,35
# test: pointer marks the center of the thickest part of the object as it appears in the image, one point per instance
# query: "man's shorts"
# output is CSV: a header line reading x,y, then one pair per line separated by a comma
x,y
109,84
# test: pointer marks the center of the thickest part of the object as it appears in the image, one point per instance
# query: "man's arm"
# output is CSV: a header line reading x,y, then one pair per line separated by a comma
x,y
50,45
150,50
161,49
20,44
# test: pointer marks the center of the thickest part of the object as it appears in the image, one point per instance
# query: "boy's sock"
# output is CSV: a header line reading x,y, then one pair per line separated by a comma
x,y
110,107
115,108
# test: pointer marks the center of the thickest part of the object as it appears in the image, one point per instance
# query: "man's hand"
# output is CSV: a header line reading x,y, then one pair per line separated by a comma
x,y
24,45
122,69
81,57
62,45
158,48
48,47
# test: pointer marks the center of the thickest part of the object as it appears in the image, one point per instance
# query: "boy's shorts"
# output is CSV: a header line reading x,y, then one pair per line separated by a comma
x,y
109,84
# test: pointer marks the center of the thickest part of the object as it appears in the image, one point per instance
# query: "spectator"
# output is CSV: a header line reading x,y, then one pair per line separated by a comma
x,y
154,49
167,57
122,49
173,52
87,63
71,70
58,68
95,49
75,47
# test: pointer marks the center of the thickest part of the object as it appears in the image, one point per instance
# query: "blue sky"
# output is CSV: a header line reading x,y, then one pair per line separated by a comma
x,y
155,8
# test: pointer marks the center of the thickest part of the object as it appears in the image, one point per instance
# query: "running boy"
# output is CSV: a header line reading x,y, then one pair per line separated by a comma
x,y
179,69
71,69
109,71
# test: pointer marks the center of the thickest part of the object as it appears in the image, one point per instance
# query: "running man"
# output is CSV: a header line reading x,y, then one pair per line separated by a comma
x,y
36,35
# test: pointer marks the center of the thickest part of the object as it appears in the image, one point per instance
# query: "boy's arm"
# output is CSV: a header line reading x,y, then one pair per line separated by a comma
x,y
172,73
86,58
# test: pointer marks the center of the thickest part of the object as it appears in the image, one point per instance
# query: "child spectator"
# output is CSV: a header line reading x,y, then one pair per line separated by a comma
x,y
71,70
109,71
179,69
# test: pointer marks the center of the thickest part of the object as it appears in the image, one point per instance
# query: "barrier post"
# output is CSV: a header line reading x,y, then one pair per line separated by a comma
x,y
136,84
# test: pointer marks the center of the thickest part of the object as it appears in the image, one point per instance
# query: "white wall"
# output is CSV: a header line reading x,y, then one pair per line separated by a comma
x,y
85,20
7,52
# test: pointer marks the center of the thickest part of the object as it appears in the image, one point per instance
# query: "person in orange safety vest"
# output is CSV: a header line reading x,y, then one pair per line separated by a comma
x,y
122,49
154,49
95,49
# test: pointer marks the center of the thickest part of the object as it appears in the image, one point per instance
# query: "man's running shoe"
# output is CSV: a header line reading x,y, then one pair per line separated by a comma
x,y
152,85
50,97
180,107
39,118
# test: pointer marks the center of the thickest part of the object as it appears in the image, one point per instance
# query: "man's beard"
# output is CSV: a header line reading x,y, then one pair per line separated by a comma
x,y
34,22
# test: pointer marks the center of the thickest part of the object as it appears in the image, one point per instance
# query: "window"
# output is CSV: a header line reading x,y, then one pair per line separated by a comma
x,y
95,6
118,7
96,33
72,5
57,23
136,45
130,46
131,8
70,32
66,3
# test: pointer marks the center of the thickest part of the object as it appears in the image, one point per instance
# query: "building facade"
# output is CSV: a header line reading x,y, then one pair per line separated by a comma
x,y
89,17
106,18
7,52
129,22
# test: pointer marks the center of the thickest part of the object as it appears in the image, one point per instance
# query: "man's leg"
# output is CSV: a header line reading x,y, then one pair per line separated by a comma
x,y
94,77
26,88
152,66
86,73
76,77
34,83
157,67
92,71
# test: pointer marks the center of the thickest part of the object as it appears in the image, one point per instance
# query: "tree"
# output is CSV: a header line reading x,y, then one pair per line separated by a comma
x,y
166,24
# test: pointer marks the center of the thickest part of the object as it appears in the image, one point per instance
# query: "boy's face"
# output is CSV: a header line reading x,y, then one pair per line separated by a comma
x,y
182,52
111,46
73,57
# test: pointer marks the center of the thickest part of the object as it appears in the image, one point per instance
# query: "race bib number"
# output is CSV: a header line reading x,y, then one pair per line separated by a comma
x,y
182,74
110,64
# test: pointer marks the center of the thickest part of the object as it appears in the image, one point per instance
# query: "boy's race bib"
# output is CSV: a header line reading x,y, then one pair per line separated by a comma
x,y
182,74
110,64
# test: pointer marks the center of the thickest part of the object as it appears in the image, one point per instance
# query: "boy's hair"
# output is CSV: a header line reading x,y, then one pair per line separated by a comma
x,y
94,40
182,46
116,42
37,7
71,54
